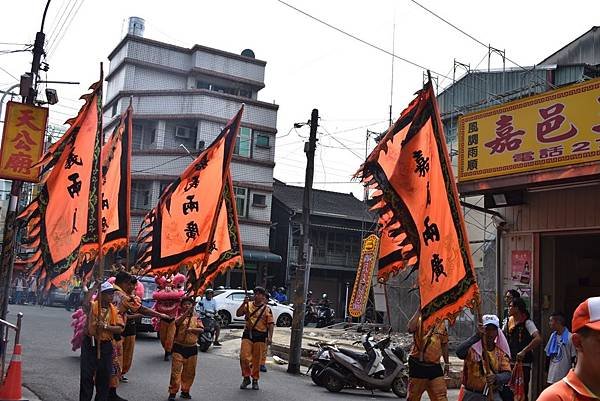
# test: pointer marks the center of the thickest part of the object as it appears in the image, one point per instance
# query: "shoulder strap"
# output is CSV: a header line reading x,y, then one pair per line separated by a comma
x,y
262,311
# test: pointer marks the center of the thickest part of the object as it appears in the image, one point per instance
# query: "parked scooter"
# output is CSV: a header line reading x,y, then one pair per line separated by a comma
x,y
379,368
205,340
321,360
325,316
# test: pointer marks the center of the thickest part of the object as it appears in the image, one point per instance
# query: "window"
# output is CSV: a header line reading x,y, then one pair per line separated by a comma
x,y
237,296
138,137
140,195
242,144
241,197
259,200
262,141
202,85
183,132
246,93
114,110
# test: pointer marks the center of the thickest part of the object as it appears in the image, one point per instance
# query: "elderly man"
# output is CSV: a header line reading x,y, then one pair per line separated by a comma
x,y
486,366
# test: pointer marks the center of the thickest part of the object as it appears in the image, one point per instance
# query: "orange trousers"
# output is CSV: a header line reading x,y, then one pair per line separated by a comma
x,y
183,372
128,347
167,335
251,355
436,389
263,360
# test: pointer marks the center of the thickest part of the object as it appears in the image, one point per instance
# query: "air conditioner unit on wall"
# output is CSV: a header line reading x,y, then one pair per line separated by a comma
x,y
183,132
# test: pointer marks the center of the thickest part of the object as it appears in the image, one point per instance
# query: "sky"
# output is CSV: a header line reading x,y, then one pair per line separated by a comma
x,y
309,65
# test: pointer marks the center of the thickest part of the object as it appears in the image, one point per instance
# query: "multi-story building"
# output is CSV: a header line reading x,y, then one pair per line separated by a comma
x,y
182,98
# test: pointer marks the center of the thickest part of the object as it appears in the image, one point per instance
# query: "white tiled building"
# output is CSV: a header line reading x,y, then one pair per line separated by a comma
x,y
184,96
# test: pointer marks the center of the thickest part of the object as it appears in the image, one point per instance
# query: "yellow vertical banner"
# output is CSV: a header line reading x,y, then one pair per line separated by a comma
x,y
22,141
364,276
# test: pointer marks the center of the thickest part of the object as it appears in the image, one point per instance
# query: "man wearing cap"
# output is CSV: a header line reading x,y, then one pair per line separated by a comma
x,y
103,322
258,334
486,366
583,382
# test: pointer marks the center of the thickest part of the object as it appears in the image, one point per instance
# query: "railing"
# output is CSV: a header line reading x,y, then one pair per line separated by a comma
x,y
4,342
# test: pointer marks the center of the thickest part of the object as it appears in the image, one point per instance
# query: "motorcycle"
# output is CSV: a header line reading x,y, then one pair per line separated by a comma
x,y
206,339
379,368
320,361
325,316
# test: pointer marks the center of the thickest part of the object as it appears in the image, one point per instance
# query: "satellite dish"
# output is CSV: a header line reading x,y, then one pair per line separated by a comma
x,y
248,53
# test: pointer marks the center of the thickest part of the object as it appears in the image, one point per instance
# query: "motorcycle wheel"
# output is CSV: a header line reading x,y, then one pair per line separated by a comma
x,y
204,346
400,386
333,383
315,375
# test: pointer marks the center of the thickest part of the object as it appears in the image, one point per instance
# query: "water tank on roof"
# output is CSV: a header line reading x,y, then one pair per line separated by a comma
x,y
136,26
248,53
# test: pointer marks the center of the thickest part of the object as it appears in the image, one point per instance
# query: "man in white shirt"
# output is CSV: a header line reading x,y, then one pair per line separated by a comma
x,y
208,305
560,351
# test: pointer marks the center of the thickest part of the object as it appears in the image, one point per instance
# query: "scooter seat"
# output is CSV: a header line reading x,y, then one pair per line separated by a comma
x,y
361,357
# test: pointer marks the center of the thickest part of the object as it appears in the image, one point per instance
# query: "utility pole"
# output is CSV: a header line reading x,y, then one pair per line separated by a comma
x,y
300,281
8,242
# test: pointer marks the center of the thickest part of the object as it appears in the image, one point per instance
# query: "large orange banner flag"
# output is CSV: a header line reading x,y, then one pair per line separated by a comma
x,y
116,185
417,201
195,224
63,217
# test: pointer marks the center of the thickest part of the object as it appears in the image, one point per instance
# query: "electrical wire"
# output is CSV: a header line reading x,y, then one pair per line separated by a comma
x,y
488,46
61,21
53,48
12,76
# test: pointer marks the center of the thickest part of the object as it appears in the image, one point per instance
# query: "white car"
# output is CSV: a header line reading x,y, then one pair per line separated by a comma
x,y
228,301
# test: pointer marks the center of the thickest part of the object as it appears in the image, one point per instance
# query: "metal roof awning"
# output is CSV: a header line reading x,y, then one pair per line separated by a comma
x,y
251,255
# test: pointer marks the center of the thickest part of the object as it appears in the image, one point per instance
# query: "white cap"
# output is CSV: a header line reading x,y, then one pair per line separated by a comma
x,y
106,286
491,319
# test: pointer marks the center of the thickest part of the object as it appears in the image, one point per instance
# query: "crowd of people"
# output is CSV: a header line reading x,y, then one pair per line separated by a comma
x,y
109,338
493,355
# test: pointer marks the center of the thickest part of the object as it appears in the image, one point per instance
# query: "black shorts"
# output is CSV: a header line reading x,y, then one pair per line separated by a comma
x,y
185,351
424,370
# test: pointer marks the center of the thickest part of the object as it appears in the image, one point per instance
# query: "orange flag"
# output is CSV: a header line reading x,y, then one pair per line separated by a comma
x,y
116,185
63,216
194,224
417,201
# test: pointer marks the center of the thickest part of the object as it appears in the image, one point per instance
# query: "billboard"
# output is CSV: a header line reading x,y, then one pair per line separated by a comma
x,y
553,129
22,141
364,276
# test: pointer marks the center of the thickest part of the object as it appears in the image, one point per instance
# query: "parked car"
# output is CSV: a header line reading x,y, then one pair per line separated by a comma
x,y
56,296
144,325
228,301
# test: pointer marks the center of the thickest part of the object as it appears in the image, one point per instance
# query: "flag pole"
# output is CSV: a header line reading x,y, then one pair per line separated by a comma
x,y
100,270
437,121
129,137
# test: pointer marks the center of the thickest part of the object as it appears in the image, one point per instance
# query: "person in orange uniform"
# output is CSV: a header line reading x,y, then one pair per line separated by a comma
x,y
425,369
125,303
185,350
583,382
485,374
258,334
103,322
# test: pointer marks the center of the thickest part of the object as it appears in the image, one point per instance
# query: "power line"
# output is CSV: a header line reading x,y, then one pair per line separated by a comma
x,y
55,45
17,79
62,12
475,39
343,144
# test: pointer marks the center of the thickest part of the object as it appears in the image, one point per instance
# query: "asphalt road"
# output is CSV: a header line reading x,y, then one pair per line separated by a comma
x,y
51,369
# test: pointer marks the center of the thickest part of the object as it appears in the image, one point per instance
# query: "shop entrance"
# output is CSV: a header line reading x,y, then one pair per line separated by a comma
x,y
569,272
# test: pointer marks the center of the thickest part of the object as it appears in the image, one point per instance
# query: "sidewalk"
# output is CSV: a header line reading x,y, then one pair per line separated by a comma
x,y
312,335
29,395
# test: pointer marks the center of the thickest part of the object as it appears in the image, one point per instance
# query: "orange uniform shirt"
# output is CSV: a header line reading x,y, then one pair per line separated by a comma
x,y
473,374
97,317
184,337
431,344
264,320
569,388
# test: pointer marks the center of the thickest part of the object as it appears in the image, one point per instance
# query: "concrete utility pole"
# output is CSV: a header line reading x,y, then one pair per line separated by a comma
x,y
300,281
8,242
